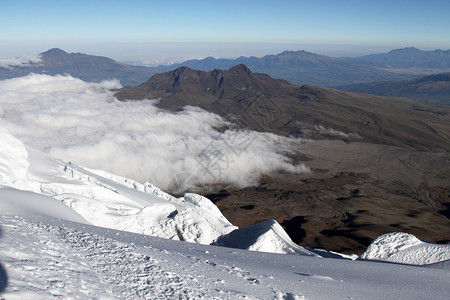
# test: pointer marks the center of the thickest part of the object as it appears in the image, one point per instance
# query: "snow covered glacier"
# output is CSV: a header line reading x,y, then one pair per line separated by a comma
x,y
73,232
112,201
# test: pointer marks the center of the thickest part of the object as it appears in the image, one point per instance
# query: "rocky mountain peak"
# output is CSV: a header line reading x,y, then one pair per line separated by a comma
x,y
185,77
182,70
240,69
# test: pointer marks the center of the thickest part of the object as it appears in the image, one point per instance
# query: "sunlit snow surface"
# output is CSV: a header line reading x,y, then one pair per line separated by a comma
x,y
140,208
48,247
45,257
405,248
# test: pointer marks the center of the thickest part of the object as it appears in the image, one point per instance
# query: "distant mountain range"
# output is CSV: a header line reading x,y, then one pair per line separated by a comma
x,y
294,66
83,66
266,104
409,58
432,89
309,68
302,67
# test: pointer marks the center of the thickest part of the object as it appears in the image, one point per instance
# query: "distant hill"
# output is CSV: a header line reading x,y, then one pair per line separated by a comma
x,y
262,103
432,89
83,66
302,67
409,58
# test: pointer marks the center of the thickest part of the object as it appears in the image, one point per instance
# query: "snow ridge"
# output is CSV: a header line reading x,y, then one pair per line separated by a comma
x,y
13,158
267,236
106,201
405,248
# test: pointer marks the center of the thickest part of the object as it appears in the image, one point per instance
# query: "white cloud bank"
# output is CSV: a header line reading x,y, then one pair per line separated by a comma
x,y
83,122
20,61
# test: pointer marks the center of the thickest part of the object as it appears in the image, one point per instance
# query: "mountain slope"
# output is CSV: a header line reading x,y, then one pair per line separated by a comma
x,y
83,66
261,103
432,89
301,67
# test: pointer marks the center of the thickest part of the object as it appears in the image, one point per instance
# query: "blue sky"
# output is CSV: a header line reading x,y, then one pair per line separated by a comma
x,y
140,30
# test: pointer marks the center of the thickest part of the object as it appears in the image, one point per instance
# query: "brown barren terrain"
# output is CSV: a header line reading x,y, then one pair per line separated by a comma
x,y
355,192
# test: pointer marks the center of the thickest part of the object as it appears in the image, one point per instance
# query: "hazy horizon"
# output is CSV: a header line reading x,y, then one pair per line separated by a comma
x,y
159,32
155,54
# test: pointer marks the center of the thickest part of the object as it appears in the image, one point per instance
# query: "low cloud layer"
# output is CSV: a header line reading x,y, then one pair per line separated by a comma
x,y
83,122
20,61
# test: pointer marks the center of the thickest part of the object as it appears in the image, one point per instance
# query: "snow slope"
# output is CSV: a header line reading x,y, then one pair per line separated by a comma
x,y
405,248
45,257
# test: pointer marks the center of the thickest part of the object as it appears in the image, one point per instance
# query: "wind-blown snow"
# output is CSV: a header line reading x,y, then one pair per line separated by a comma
x,y
20,61
83,122
405,248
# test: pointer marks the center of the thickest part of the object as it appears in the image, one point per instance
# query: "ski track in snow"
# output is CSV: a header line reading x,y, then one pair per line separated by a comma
x,y
69,264
49,269
116,269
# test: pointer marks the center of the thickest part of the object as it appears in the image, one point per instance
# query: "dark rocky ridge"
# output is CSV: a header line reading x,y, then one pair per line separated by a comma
x,y
260,102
